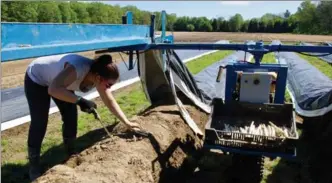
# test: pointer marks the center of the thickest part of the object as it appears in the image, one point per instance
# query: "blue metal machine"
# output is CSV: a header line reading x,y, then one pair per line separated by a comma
x,y
27,40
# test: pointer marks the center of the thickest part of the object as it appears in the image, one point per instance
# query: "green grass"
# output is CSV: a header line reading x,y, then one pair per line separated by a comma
x,y
269,58
199,64
131,100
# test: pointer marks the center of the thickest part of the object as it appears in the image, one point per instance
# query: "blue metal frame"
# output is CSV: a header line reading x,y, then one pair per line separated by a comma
x,y
129,16
163,35
256,153
129,20
26,40
244,47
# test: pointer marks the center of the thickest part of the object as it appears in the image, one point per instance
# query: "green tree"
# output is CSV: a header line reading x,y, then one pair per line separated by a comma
x,y
262,26
324,16
287,14
277,27
66,12
270,26
203,24
4,11
49,11
220,24
269,16
225,26
81,12
307,17
98,13
115,14
235,22
180,24
190,27
20,11
171,19
215,25
244,27
253,25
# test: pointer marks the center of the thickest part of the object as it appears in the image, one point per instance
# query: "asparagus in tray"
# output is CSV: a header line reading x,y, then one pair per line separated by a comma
x,y
266,130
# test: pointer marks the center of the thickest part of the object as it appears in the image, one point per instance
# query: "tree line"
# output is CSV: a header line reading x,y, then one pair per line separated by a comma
x,y
310,18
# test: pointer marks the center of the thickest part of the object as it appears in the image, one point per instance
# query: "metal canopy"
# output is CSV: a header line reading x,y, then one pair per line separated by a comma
x,y
26,40
20,40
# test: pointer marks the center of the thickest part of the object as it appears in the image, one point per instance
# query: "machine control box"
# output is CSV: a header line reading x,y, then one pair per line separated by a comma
x,y
255,87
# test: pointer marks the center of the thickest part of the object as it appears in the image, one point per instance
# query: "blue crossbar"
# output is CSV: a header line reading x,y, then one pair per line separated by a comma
x,y
24,40
243,47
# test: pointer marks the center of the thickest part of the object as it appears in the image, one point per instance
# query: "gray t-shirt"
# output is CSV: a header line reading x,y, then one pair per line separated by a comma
x,y
44,69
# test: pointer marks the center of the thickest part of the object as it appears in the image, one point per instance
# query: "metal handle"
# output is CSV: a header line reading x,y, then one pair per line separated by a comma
x,y
221,68
95,113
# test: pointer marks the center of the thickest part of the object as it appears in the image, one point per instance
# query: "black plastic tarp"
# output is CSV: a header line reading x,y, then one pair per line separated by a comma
x,y
326,58
206,79
310,89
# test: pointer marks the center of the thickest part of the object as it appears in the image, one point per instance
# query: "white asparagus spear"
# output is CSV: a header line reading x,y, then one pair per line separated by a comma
x,y
279,132
268,127
267,130
252,127
285,132
273,131
264,129
260,129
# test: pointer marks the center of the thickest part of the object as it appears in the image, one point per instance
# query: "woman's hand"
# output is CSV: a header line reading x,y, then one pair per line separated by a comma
x,y
86,105
133,126
111,103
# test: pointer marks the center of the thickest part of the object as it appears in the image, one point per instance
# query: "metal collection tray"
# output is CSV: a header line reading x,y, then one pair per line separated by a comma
x,y
282,115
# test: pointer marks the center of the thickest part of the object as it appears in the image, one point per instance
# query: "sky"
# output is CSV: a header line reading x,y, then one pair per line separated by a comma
x,y
213,9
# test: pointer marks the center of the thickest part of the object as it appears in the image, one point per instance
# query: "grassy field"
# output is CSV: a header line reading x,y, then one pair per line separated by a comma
x,y
131,99
199,64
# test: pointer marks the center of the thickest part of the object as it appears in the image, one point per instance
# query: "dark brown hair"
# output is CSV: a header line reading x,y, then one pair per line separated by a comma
x,y
104,66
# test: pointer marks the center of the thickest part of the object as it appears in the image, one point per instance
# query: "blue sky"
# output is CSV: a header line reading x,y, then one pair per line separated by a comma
x,y
211,9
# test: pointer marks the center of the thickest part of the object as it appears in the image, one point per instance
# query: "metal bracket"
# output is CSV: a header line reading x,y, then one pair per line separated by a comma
x,y
128,19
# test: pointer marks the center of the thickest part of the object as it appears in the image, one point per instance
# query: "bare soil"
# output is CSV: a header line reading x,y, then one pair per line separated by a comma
x,y
162,157
13,71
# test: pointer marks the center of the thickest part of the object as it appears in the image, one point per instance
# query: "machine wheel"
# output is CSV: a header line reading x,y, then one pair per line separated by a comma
x,y
246,168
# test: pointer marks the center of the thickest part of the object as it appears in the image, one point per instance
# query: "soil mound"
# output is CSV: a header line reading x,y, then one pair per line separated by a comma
x,y
162,157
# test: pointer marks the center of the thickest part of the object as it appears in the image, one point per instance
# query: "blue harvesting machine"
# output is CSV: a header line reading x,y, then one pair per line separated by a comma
x,y
250,96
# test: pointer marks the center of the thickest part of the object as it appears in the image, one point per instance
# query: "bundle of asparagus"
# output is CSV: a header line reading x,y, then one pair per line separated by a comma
x,y
266,130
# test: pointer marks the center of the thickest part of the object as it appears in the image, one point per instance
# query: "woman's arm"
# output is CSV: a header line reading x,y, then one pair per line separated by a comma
x,y
58,86
114,107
